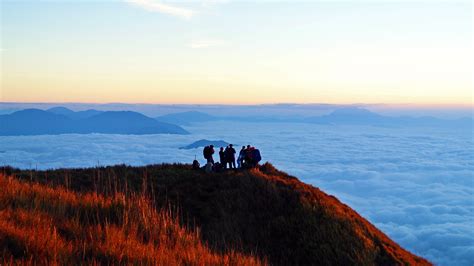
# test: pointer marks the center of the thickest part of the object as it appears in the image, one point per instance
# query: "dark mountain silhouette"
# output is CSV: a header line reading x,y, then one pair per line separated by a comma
x,y
7,111
261,211
39,122
127,122
204,143
60,111
34,122
185,118
72,114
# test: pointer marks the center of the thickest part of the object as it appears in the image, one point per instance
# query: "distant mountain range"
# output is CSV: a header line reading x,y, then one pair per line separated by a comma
x,y
60,120
74,115
341,116
186,118
360,116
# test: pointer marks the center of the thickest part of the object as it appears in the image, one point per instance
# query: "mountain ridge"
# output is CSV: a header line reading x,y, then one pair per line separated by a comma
x,y
339,116
60,121
73,114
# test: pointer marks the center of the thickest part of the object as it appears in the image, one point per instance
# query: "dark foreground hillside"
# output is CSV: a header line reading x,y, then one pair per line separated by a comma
x,y
261,211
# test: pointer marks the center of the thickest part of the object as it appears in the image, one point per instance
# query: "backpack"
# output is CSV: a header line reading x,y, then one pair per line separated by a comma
x,y
249,154
206,151
256,156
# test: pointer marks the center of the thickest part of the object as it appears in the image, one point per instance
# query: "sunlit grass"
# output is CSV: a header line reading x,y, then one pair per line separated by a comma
x,y
173,215
42,224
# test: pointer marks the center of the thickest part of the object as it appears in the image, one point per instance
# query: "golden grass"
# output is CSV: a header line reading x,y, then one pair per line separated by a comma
x,y
40,224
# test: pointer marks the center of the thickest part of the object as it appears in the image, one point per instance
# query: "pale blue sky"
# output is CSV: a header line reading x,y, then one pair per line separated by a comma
x,y
237,52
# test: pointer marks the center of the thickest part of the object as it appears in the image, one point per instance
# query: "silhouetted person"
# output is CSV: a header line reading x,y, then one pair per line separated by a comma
x,y
251,156
240,159
212,153
217,167
230,156
196,165
222,157
208,152
248,156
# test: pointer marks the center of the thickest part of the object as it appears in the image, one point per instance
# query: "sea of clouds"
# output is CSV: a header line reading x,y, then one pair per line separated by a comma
x,y
415,184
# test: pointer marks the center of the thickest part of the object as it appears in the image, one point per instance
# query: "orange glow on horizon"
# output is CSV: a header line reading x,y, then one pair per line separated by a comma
x,y
469,105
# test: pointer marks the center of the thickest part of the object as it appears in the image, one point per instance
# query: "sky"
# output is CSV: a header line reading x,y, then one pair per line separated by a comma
x,y
237,52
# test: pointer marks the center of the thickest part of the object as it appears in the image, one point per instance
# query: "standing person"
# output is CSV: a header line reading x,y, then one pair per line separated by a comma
x,y
248,156
230,155
240,160
211,152
222,157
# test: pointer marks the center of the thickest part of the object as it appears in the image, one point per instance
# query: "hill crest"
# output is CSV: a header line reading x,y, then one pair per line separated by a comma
x,y
262,211
63,121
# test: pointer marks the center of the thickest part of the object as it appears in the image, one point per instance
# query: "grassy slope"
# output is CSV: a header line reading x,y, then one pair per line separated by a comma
x,y
263,211
47,225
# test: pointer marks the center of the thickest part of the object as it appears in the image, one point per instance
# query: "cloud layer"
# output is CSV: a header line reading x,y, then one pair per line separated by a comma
x,y
415,185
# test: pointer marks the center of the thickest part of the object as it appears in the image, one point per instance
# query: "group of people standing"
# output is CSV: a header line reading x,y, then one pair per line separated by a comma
x,y
227,156
248,157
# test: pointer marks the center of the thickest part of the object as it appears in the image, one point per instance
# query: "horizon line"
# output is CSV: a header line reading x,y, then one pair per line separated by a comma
x,y
420,105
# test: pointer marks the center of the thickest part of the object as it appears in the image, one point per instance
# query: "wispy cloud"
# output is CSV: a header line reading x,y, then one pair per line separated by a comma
x,y
206,43
156,6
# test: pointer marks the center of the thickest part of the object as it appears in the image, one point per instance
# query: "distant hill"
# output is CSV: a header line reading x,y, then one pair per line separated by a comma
x,y
262,211
186,118
360,116
34,122
350,116
7,111
204,142
72,114
60,111
127,122
190,117
60,121
340,116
